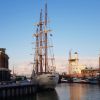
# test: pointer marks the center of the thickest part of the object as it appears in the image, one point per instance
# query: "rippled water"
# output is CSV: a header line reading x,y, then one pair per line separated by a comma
x,y
72,92
67,91
78,92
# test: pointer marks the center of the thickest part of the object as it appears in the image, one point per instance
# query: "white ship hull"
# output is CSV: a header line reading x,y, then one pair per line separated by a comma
x,y
47,80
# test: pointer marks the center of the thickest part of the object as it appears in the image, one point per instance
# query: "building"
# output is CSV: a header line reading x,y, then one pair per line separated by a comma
x,y
74,66
90,72
4,66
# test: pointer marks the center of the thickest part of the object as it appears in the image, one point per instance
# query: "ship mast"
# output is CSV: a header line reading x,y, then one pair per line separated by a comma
x,y
42,44
37,51
41,32
46,38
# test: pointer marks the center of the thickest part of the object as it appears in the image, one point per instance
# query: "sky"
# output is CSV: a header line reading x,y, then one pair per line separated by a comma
x,y
75,25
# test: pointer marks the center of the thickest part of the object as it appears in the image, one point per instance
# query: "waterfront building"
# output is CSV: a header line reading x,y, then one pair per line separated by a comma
x,y
4,66
90,72
74,66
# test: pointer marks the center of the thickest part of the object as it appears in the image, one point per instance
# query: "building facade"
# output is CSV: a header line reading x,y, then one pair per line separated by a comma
x,y
90,72
4,66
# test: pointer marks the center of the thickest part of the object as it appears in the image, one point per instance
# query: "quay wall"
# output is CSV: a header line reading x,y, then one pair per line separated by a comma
x,y
17,90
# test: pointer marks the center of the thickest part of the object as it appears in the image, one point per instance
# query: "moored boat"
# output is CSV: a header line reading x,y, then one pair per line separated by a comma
x,y
45,74
93,80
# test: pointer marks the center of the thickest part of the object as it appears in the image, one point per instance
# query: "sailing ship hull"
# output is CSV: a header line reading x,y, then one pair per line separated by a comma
x,y
48,80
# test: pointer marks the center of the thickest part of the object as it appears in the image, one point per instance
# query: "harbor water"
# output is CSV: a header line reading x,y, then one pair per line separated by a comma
x,y
66,91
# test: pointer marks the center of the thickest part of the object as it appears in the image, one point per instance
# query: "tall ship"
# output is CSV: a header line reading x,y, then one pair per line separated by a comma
x,y
44,66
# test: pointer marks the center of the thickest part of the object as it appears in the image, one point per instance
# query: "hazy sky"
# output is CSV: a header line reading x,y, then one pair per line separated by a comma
x,y
75,25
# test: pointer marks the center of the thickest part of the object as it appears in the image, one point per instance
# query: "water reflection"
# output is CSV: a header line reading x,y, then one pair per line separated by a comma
x,y
84,92
47,95
76,92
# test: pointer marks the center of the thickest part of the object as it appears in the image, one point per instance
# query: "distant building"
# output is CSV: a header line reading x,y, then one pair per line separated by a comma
x,y
74,66
90,72
4,64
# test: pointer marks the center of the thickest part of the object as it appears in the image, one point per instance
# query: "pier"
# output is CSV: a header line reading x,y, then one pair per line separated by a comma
x,y
12,90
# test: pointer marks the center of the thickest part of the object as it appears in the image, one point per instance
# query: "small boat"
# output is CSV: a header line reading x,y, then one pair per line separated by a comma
x,y
77,80
93,80
63,80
